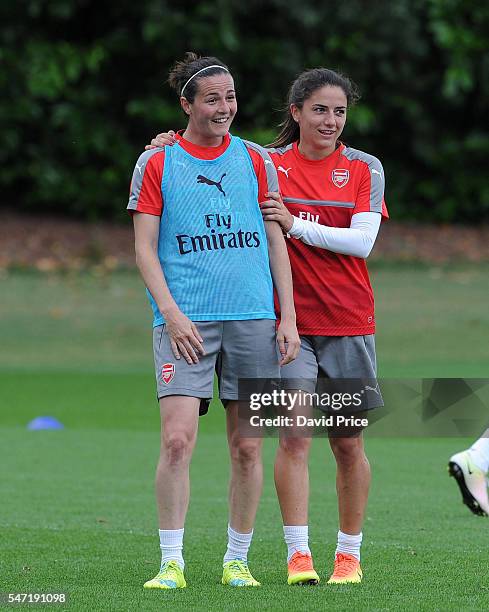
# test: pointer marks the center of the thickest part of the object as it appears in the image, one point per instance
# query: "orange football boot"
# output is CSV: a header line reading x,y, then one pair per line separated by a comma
x,y
301,570
346,570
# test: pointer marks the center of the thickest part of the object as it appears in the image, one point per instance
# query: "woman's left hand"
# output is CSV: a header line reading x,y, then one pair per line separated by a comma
x,y
288,340
274,209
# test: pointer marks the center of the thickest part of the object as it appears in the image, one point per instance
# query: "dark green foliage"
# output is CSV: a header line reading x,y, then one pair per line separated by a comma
x,y
83,89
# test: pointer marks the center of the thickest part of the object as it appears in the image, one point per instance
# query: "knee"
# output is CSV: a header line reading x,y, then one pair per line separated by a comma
x,y
296,448
246,452
177,449
347,451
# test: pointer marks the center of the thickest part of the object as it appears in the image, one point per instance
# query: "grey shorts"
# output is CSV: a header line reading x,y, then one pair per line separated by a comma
x,y
334,357
234,349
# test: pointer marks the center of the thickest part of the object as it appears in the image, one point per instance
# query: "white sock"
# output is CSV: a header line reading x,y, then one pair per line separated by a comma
x,y
297,539
171,544
479,452
349,544
238,545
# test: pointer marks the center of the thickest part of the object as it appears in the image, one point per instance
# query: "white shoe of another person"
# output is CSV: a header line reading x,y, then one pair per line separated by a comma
x,y
471,481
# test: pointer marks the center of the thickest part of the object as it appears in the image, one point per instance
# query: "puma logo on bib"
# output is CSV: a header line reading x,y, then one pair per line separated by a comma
x,y
207,181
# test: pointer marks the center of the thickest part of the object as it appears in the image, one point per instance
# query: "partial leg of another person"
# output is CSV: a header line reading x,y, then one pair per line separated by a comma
x,y
470,469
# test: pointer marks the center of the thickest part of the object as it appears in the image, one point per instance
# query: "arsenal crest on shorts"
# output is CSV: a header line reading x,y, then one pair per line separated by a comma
x,y
340,177
167,372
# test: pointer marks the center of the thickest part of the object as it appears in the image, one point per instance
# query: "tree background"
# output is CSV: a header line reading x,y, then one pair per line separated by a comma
x,y
84,90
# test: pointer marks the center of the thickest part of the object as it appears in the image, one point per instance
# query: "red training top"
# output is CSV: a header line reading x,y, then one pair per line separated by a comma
x,y
332,292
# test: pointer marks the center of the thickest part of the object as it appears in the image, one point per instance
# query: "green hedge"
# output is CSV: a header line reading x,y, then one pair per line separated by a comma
x,y
83,87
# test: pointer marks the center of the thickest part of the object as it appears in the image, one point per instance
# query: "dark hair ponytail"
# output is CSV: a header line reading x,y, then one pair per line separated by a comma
x,y
301,90
184,69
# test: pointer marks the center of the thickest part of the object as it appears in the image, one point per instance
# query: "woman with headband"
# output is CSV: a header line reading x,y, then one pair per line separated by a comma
x,y
208,258
332,206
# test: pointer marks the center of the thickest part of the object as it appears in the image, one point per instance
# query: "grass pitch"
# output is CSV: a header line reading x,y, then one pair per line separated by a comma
x,y
77,511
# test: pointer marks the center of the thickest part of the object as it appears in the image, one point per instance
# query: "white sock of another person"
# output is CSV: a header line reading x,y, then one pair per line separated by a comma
x,y
479,452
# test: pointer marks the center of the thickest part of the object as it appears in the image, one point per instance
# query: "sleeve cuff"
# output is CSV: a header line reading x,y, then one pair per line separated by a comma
x,y
148,210
297,228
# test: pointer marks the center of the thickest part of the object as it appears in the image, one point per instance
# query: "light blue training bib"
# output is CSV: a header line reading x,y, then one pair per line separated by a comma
x,y
212,242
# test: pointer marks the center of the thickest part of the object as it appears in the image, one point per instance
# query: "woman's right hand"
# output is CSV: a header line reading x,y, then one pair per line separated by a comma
x,y
162,140
185,339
